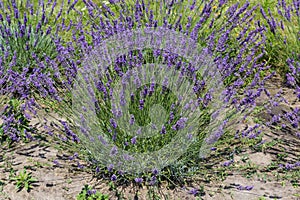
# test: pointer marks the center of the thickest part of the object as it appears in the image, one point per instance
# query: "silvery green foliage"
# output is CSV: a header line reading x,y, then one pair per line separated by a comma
x,y
184,129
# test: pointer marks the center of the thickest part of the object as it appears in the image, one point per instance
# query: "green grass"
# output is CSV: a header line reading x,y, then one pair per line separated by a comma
x,y
24,180
85,195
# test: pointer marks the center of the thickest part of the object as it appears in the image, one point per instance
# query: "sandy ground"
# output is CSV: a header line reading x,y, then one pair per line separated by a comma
x,y
66,181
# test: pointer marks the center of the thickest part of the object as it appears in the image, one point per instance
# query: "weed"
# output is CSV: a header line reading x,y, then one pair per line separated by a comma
x,y
88,193
24,180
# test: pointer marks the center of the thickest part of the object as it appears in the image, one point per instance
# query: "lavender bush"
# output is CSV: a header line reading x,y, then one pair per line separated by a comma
x,y
32,60
282,53
236,56
283,34
124,112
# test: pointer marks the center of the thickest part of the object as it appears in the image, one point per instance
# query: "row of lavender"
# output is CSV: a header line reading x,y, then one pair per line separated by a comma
x,y
42,46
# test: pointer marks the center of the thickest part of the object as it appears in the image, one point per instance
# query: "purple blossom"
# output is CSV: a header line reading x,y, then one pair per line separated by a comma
x,y
193,5
79,166
110,167
113,123
133,140
91,192
153,180
145,92
171,116
163,130
132,120
227,163
142,102
194,191
245,187
139,131
289,166
213,148
113,177
155,172
180,124
138,180
56,162
114,151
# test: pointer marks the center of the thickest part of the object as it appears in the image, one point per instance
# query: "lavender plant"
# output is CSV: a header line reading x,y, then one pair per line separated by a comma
x,y
31,59
24,37
283,39
282,51
17,125
237,57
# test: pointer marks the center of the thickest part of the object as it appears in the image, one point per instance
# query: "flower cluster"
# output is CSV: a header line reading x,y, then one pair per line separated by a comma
x,y
285,29
240,187
32,58
289,166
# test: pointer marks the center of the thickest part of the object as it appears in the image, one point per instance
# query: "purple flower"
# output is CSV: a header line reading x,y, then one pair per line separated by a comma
x,y
153,180
91,192
110,167
245,187
171,116
227,163
163,130
56,162
122,99
194,191
213,148
289,166
141,106
113,123
155,172
138,180
79,166
100,138
113,177
180,124
145,92
132,119
193,5
114,151
133,140
139,131
97,169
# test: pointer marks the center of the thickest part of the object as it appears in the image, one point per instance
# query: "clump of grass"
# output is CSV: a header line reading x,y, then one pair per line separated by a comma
x,y
88,193
24,180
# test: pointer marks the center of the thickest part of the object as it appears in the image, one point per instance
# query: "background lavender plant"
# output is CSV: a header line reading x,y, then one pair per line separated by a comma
x,y
282,47
30,59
